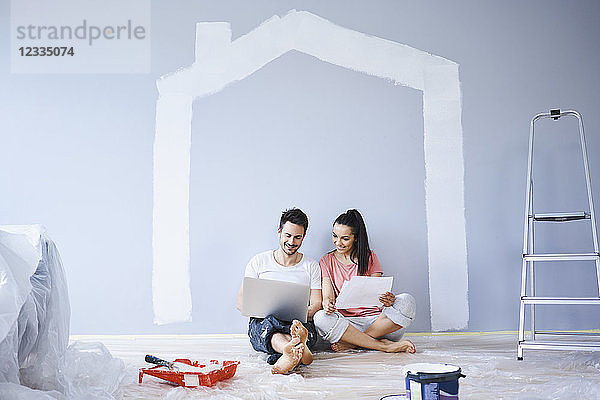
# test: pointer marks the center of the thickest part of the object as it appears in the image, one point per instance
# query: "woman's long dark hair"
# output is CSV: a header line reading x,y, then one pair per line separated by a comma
x,y
360,251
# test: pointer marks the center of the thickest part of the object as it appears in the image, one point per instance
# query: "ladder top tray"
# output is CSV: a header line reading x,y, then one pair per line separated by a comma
x,y
562,257
561,216
560,300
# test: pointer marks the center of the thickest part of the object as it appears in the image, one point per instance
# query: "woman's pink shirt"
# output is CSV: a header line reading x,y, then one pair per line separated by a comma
x,y
339,273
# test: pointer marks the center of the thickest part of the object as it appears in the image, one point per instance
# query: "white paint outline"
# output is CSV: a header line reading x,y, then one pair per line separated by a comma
x,y
220,62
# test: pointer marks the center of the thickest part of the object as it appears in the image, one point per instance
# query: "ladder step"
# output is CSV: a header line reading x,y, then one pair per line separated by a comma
x,y
560,300
561,217
562,257
562,345
593,333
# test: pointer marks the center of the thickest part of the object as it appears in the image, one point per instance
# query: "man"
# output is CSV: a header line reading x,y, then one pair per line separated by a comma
x,y
287,342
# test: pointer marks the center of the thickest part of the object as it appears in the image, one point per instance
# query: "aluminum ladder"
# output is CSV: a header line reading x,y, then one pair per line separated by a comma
x,y
530,257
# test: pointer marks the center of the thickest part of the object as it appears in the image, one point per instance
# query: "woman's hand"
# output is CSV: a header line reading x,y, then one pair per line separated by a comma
x,y
387,299
329,305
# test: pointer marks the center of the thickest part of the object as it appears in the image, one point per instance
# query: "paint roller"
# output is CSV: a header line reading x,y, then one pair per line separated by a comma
x,y
159,361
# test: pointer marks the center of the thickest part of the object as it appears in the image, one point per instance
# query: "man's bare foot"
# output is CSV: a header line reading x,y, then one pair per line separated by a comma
x,y
297,330
342,346
292,353
402,346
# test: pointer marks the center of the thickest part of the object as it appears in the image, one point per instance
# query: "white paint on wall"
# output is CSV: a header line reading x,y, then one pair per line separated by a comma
x,y
220,62
171,295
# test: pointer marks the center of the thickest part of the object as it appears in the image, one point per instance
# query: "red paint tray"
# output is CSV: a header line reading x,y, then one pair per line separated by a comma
x,y
192,379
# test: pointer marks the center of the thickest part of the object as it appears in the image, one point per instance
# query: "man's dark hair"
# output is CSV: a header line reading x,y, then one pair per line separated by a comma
x,y
295,216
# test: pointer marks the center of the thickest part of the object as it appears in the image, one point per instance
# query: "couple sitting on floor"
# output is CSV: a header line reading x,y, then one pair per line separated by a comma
x,y
290,343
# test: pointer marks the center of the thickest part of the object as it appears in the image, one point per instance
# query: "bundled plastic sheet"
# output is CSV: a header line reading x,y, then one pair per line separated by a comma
x,y
34,308
35,362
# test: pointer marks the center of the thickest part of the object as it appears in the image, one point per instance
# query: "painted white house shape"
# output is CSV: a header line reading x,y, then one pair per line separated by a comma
x,y
220,62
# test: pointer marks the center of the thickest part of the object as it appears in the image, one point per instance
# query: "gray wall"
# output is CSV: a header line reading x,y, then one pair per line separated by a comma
x,y
76,156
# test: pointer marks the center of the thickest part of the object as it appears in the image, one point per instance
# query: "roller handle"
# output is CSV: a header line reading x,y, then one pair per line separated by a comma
x,y
158,361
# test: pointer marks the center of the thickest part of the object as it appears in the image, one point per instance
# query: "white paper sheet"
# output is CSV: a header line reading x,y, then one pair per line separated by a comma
x,y
363,291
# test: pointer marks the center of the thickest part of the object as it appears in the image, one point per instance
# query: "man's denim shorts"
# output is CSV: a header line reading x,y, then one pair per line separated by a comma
x,y
260,331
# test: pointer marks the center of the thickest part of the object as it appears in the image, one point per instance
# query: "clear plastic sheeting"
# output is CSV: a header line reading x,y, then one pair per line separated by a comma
x,y
34,308
488,361
10,391
35,363
89,372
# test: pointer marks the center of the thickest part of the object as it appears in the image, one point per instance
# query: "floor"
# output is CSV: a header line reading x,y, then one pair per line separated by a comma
x,y
488,361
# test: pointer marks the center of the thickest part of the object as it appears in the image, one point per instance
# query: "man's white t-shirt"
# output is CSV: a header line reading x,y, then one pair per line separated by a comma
x,y
264,266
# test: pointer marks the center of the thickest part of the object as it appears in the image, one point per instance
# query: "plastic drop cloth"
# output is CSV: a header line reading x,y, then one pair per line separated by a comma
x,y
488,361
86,371
35,362
34,307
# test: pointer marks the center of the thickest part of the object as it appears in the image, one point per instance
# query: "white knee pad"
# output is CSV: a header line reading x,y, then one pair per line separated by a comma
x,y
403,311
330,326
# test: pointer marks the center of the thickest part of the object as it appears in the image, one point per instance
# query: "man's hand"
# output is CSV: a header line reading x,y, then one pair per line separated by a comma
x,y
329,305
387,299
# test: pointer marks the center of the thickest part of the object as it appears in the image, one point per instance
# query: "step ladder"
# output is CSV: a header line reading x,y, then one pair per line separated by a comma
x,y
530,258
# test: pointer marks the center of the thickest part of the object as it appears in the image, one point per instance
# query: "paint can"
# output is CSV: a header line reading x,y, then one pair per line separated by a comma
x,y
426,381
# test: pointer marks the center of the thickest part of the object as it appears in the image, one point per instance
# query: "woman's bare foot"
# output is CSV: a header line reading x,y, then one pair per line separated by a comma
x,y
292,353
298,330
402,346
342,346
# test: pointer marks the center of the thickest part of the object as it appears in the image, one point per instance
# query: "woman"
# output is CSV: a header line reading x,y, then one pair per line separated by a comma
x,y
369,327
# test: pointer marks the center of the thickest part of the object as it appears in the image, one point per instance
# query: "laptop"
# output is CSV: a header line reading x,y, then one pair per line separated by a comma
x,y
285,300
